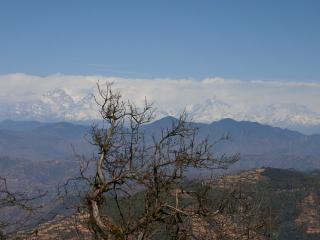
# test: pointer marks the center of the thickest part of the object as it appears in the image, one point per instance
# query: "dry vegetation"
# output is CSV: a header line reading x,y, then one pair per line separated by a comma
x,y
310,214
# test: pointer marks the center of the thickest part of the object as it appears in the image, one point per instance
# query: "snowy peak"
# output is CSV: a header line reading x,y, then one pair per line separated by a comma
x,y
58,98
212,109
59,105
210,104
56,105
286,115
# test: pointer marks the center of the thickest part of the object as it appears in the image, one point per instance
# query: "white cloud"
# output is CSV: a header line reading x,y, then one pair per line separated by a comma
x,y
167,93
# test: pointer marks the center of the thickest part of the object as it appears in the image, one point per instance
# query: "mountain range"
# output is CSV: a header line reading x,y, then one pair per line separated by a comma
x,y
40,141
38,155
58,105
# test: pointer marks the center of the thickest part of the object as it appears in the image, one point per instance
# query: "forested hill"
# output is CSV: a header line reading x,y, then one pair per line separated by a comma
x,y
285,202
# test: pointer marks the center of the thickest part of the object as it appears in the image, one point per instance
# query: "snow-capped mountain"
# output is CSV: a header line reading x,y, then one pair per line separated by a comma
x,y
211,110
286,115
54,105
59,105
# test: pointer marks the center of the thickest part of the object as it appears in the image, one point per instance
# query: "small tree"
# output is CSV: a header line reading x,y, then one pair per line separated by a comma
x,y
137,190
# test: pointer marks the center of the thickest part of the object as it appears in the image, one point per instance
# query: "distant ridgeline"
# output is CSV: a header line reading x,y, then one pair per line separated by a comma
x,y
259,145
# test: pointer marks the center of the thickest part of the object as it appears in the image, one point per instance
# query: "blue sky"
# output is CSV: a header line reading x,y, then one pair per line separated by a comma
x,y
239,39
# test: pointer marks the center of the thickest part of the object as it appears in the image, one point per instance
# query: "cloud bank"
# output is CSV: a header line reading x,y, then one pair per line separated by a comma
x,y
167,93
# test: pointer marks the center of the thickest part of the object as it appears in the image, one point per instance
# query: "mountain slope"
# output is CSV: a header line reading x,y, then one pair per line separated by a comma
x,y
42,142
255,142
259,145
286,200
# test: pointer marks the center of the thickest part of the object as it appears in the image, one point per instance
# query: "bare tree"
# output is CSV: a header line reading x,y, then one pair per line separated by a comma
x,y
16,208
137,190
